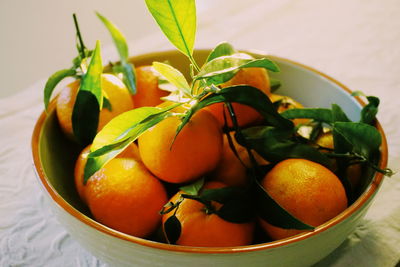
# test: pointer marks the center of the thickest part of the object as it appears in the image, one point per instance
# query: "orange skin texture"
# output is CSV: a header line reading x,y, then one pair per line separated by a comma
x,y
208,230
230,169
256,77
288,103
196,150
147,91
132,151
125,196
307,190
112,87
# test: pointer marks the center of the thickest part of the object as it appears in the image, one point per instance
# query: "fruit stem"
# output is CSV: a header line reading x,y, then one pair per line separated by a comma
x,y
81,46
232,114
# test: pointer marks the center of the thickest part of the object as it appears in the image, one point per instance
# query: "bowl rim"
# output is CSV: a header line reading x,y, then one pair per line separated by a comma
x,y
363,199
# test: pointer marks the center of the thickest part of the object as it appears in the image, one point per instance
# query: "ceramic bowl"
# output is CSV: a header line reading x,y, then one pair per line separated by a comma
x,y
54,157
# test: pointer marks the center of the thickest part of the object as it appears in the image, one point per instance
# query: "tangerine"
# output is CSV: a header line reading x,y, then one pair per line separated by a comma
x,y
195,151
147,91
125,196
246,115
307,190
202,228
113,88
132,151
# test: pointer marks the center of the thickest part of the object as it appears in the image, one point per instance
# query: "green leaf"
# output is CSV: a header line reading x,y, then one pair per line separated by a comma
x,y
107,103
177,19
117,36
246,95
53,81
89,100
275,145
317,114
369,111
119,133
193,188
222,69
222,49
269,210
275,84
356,137
338,114
174,76
128,75
172,229
236,203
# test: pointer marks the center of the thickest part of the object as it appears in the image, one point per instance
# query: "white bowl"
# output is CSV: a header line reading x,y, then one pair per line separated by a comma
x,y
54,158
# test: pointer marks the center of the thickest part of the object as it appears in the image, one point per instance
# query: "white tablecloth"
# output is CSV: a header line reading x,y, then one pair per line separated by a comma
x,y
356,41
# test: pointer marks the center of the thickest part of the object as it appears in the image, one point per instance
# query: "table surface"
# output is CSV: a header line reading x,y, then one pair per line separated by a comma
x,y
357,42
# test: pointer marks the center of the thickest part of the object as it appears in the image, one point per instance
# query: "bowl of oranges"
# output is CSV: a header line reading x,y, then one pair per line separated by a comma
x,y
214,156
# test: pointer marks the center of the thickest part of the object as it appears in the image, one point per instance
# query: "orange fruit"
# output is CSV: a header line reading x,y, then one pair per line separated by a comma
x,y
113,88
203,229
353,172
246,115
131,151
307,190
230,170
147,91
287,103
195,151
125,196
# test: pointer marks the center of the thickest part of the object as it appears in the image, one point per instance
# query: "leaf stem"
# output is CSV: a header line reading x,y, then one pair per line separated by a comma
x,y
81,47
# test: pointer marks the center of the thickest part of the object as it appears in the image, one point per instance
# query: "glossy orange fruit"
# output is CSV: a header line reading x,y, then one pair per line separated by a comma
x,y
256,77
125,196
307,190
148,93
131,151
195,151
113,88
203,229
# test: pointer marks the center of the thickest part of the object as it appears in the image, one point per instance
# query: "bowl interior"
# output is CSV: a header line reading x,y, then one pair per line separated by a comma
x,y
57,154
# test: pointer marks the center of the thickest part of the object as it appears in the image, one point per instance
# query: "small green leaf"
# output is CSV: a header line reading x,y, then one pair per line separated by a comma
x,y
364,139
222,49
246,95
275,84
117,36
53,81
172,229
177,19
269,210
276,145
107,103
338,114
317,114
222,69
89,100
194,188
119,133
369,111
174,76
235,203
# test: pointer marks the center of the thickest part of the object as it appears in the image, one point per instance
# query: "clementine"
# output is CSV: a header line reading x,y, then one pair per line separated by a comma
x,y
203,228
307,190
246,115
125,196
195,151
148,93
113,88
